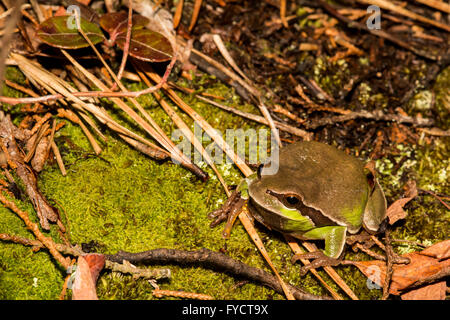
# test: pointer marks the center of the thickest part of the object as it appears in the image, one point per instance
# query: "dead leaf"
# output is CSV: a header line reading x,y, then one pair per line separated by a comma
x,y
435,291
9,132
88,269
395,211
40,155
440,250
96,263
422,266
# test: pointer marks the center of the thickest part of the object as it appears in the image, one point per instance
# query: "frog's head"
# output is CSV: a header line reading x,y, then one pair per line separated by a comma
x,y
278,205
317,185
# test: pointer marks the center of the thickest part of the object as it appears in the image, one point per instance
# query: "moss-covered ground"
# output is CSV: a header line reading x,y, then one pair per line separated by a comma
x,y
123,200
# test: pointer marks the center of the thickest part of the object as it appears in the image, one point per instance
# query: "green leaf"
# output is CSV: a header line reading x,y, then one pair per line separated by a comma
x,y
147,45
62,32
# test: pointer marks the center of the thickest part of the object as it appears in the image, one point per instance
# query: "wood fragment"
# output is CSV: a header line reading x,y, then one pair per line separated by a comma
x,y
146,273
158,293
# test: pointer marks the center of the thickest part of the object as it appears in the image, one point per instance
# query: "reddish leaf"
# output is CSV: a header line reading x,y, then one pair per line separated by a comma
x,y
61,32
83,286
435,291
117,22
96,263
147,45
88,269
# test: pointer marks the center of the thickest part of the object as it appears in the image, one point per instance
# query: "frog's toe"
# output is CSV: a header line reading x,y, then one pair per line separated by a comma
x,y
218,216
320,260
223,213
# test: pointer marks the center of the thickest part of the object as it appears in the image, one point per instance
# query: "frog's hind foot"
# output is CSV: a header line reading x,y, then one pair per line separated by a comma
x,y
320,260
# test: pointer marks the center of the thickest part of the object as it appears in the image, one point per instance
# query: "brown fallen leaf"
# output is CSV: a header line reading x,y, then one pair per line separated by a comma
x,y
440,250
87,272
435,291
395,211
8,134
421,266
40,155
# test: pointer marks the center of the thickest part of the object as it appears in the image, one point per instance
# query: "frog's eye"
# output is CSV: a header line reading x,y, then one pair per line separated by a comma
x,y
291,199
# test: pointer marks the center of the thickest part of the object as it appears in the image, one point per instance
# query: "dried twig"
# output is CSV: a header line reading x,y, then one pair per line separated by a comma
x,y
376,115
210,259
203,257
280,125
379,33
122,267
126,267
227,56
46,241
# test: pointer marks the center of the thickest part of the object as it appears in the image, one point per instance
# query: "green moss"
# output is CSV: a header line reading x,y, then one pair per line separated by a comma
x,y
23,273
442,105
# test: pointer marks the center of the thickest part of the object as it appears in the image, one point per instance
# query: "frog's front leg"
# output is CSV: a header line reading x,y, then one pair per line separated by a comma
x,y
231,209
222,214
334,237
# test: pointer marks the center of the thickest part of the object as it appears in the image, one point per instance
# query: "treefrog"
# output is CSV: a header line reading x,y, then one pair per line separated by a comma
x,y
317,193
